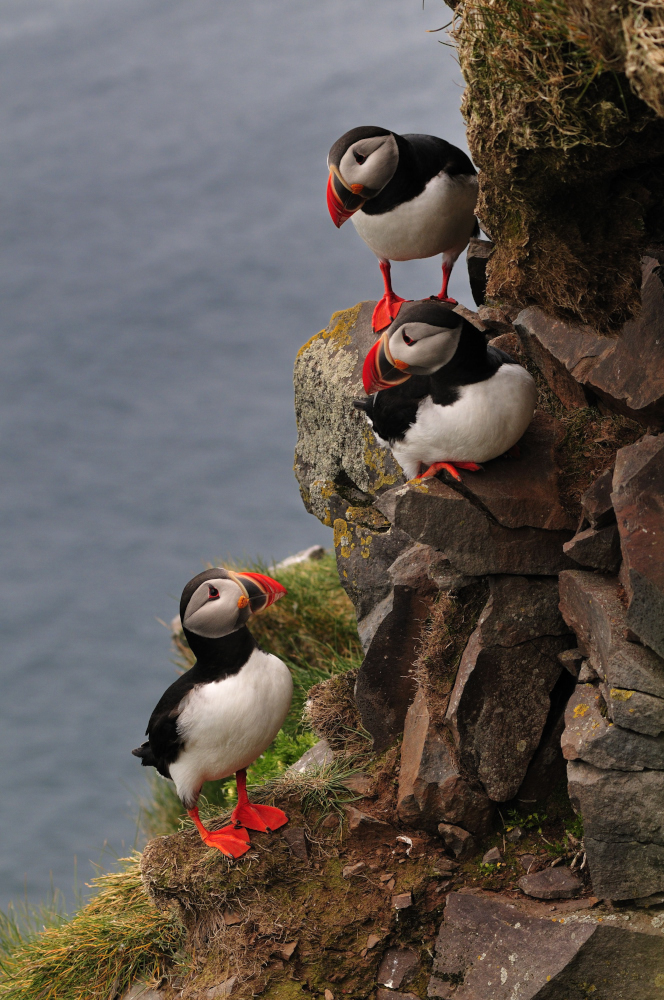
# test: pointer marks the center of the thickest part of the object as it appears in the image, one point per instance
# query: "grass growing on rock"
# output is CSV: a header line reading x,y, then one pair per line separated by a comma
x,y
117,937
313,629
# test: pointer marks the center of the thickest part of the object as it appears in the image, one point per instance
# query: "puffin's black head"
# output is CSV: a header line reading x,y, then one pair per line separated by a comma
x,y
220,601
361,163
423,337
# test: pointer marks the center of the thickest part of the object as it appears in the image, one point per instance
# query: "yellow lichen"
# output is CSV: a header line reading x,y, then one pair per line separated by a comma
x,y
341,323
581,710
343,542
620,694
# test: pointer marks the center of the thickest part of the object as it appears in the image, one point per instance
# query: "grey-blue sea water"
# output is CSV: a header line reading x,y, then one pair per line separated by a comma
x,y
165,249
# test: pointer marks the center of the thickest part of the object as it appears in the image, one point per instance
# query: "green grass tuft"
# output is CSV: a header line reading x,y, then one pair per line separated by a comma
x,y
117,937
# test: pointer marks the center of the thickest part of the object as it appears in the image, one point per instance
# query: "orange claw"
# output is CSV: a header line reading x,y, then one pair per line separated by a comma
x,y
264,819
385,311
231,840
450,467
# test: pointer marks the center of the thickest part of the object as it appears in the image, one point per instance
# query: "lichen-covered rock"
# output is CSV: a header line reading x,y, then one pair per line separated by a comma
x,y
606,366
591,737
638,499
502,695
488,948
432,789
623,825
336,450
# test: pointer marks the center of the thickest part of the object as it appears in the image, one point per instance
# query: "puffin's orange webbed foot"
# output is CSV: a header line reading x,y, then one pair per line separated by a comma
x,y
446,299
450,467
232,841
385,311
264,819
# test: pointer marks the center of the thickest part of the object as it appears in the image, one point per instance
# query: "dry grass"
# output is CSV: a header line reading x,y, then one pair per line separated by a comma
x,y
118,937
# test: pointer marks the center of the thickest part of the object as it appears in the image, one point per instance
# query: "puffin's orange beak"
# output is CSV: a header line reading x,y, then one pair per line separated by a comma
x,y
261,590
342,202
380,370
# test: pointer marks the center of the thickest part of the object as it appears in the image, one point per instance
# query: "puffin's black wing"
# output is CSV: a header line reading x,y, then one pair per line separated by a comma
x,y
164,740
433,155
392,411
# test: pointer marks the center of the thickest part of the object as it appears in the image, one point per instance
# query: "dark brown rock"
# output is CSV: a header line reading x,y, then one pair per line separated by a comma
x,y
589,736
394,995
520,609
457,841
571,660
363,558
501,698
488,948
385,683
364,827
431,787
498,322
492,856
598,548
361,784
475,543
546,342
551,883
523,492
477,257
596,503
590,604
547,768
603,365
527,861
623,828
296,839
397,967
638,499
402,901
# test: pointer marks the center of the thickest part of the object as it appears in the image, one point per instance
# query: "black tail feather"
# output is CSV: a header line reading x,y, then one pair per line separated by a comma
x,y
148,759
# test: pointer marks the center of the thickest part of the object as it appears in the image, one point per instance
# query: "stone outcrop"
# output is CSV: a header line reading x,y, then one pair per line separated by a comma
x,y
638,492
591,737
456,585
501,699
432,789
623,828
504,950
625,372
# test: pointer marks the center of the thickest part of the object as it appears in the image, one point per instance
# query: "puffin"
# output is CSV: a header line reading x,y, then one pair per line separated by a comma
x,y
439,396
409,196
219,716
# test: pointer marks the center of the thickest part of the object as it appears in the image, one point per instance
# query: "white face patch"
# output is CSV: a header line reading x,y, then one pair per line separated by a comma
x,y
213,608
423,347
370,162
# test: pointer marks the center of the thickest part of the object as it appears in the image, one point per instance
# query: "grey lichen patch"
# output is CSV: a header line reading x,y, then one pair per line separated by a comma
x,y
336,449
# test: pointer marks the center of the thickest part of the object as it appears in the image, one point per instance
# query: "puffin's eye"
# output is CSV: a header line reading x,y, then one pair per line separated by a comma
x,y
212,592
407,339
359,157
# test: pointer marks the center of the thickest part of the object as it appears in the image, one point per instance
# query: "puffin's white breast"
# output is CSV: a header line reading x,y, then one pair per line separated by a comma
x,y
485,421
227,724
439,219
